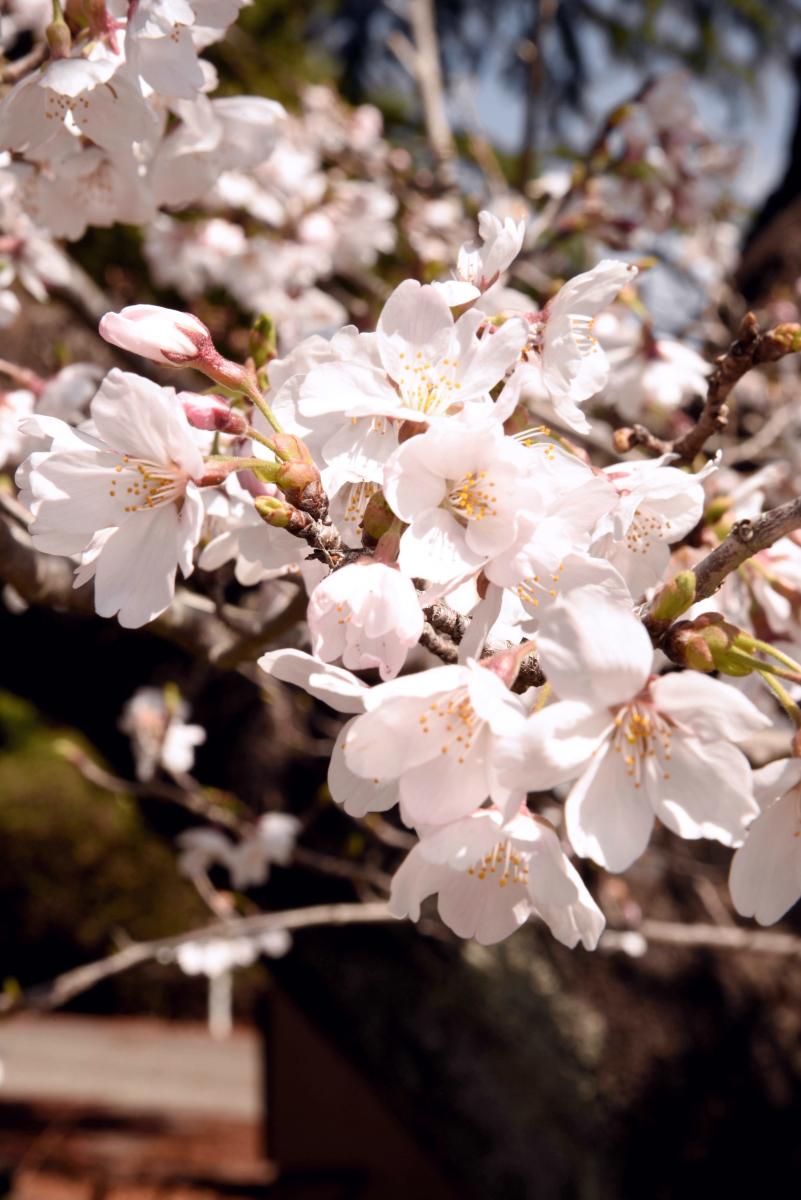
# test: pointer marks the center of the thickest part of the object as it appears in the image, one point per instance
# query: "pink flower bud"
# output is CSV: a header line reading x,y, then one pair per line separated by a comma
x,y
161,334
212,413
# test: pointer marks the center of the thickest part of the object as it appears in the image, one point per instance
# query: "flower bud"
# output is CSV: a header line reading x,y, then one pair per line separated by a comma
x,y
674,598
297,476
172,338
59,39
300,483
212,413
282,515
377,519
711,643
262,341
164,335
786,338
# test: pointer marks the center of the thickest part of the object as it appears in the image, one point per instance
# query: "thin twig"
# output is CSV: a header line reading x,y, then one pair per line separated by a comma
x,y
72,983
194,799
751,348
701,936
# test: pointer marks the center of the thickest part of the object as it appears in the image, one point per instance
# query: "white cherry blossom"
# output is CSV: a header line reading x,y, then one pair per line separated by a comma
x,y
430,367
124,497
481,262
440,734
639,747
658,505
460,488
367,614
567,364
489,877
765,876
155,721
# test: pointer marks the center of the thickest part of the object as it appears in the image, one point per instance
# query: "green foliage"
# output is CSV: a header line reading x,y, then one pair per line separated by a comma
x,y
80,866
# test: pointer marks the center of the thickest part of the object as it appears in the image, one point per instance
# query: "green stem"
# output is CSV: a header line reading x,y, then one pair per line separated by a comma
x,y
766,648
253,393
788,704
756,664
259,437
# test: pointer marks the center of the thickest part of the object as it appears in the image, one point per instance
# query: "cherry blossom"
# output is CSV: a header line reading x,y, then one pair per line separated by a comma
x,y
638,746
429,367
658,505
567,364
481,262
124,497
155,721
765,876
461,490
368,615
441,735
490,876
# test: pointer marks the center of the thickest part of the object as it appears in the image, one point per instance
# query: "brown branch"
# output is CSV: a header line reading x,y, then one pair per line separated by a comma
x,y
701,936
751,348
446,620
746,539
444,630
191,621
194,800
428,71
438,644
529,675
12,72
65,987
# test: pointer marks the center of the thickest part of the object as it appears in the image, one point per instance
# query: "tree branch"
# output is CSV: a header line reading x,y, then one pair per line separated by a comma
x,y
751,348
65,987
192,621
428,70
746,539
700,936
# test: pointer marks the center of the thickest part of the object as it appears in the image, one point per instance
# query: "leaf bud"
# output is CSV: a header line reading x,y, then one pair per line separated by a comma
x,y
674,598
262,341
283,515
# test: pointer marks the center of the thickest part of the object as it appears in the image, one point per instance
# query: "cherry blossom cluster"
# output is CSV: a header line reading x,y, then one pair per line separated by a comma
x,y
117,122
323,204
476,586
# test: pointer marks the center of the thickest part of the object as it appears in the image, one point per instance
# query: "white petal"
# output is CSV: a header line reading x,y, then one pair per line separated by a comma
x,y
710,708
708,792
333,685
593,650
357,795
135,570
765,876
608,819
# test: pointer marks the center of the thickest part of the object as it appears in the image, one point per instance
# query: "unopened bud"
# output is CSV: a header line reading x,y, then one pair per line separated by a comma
x,y
300,483
59,38
377,519
290,448
297,475
711,643
786,338
674,598
165,335
212,413
283,515
262,341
